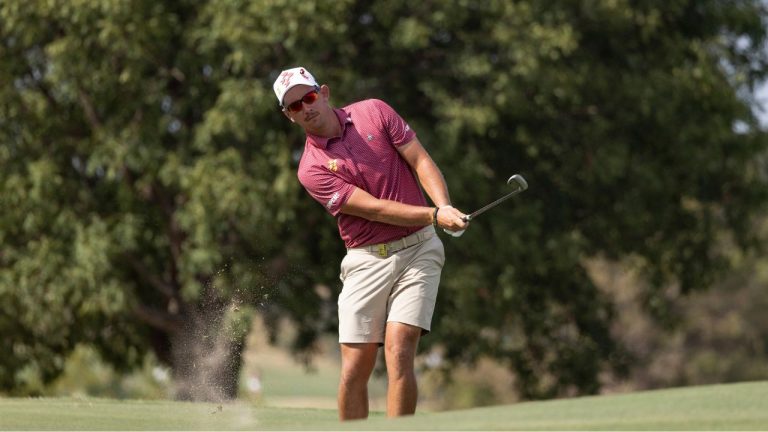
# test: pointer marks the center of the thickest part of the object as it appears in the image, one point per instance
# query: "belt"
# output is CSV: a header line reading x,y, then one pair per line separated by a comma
x,y
386,249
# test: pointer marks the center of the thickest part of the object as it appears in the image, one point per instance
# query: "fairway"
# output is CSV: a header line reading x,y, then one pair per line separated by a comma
x,y
741,406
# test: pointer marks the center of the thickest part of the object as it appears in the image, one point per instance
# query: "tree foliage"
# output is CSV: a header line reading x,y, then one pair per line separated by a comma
x,y
149,198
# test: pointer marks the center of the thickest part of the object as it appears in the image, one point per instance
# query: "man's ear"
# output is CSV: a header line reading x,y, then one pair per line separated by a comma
x,y
325,91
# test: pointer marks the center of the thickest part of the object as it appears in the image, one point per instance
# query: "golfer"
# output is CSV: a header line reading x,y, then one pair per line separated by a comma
x,y
364,164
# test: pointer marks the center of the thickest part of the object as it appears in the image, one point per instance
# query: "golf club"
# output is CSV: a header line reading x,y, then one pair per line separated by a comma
x,y
519,184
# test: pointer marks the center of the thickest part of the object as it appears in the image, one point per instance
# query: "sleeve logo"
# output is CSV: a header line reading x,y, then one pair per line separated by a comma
x,y
332,201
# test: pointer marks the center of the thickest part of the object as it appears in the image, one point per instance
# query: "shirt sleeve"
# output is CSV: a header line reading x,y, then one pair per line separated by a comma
x,y
400,133
326,188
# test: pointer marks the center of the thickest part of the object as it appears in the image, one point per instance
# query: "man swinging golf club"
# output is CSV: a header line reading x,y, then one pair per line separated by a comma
x,y
364,164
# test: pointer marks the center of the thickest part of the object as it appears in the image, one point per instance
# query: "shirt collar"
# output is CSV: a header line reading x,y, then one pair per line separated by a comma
x,y
322,142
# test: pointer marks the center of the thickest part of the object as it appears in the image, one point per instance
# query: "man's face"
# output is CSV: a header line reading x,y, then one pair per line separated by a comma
x,y
305,105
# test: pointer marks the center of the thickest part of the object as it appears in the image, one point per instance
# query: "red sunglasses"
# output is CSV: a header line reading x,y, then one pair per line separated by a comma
x,y
307,99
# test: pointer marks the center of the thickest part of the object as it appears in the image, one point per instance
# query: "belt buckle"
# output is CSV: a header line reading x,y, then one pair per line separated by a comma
x,y
383,250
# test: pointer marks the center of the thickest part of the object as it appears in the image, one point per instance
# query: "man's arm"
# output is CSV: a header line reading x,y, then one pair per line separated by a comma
x,y
433,182
364,205
427,172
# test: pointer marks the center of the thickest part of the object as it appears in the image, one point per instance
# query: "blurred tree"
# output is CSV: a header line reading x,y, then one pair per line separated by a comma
x,y
149,199
632,123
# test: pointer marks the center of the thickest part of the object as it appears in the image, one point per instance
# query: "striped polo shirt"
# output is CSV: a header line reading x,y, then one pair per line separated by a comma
x,y
364,156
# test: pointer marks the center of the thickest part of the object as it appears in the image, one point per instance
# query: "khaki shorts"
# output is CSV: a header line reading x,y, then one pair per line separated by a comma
x,y
394,283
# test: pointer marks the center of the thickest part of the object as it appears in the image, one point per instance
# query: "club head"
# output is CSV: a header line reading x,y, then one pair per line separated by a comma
x,y
519,181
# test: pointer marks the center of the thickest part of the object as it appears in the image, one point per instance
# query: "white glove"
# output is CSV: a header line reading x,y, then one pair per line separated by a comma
x,y
454,233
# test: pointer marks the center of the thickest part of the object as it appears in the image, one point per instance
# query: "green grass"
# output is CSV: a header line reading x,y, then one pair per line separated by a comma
x,y
741,406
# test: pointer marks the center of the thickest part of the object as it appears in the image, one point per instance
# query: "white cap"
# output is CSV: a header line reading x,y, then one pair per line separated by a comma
x,y
290,78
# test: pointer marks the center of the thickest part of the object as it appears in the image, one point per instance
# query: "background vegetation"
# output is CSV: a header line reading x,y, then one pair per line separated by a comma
x,y
150,205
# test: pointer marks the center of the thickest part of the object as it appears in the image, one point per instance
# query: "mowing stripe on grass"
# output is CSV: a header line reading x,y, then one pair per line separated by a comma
x,y
742,406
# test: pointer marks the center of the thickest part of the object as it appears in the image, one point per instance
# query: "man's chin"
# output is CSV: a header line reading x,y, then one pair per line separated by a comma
x,y
313,127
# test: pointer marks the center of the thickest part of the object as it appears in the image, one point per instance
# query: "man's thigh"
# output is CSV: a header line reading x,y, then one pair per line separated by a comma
x,y
414,294
368,281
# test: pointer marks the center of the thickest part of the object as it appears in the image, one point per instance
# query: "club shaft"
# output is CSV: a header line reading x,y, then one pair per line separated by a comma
x,y
482,210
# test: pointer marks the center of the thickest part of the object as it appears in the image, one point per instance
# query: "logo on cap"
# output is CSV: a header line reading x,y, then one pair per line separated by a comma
x,y
285,78
290,78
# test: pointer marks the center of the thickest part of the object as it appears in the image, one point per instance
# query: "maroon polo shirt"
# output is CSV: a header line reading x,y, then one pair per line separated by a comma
x,y
364,156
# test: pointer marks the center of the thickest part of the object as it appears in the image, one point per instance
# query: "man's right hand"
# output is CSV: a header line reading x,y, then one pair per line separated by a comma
x,y
451,219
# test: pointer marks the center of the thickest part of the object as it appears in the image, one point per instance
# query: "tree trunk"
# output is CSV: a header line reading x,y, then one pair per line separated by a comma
x,y
206,358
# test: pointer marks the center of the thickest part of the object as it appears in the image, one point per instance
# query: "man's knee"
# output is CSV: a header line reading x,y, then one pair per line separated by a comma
x,y
401,337
400,360
400,350
354,375
357,363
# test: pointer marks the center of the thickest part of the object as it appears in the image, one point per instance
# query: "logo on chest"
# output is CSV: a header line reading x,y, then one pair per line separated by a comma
x,y
370,137
333,165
